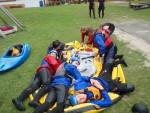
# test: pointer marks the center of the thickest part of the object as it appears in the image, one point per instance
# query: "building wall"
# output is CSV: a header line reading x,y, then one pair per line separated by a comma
x,y
28,3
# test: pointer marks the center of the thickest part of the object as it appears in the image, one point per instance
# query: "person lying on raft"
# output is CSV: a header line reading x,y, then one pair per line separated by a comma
x,y
58,90
43,76
94,89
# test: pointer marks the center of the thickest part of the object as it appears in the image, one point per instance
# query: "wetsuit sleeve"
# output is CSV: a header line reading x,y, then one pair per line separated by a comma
x,y
73,71
90,40
76,74
105,102
101,44
82,37
86,78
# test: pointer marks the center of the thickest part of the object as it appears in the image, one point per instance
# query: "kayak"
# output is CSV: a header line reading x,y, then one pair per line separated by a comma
x,y
89,66
14,56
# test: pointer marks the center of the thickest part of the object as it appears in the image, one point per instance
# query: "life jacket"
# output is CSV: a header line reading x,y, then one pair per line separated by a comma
x,y
52,65
108,39
96,92
6,28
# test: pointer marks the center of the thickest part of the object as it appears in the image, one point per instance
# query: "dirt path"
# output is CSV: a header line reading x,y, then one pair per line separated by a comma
x,y
134,43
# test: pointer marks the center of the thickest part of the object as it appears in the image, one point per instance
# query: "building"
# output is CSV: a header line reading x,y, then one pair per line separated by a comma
x,y
27,3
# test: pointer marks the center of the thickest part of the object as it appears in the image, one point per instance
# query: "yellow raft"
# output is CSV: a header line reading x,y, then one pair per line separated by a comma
x,y
76,48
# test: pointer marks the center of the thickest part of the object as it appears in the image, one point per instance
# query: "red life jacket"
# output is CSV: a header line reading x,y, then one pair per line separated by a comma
x,y
52,65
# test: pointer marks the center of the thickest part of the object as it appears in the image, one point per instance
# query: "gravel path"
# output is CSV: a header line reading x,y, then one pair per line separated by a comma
x,y
135,42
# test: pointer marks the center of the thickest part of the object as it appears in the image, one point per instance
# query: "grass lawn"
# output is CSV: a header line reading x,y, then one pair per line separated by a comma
x,y
43,25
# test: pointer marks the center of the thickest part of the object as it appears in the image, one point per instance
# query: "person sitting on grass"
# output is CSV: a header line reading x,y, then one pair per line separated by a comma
x,y
94,89
43,76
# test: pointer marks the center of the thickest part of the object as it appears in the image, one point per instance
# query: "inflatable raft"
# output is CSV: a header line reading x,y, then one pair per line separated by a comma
x,y
89,66
14,56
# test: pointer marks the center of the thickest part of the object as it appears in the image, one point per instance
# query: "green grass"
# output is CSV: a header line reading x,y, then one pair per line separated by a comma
x,y
43,25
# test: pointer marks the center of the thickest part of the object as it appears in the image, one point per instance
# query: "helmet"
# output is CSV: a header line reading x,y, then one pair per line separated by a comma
x,y
139,108
74,59
53,51
73,99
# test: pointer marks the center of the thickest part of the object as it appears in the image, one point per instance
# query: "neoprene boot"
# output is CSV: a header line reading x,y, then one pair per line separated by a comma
x,y
121,61
49,111
130,88
118,56
19,104
58,109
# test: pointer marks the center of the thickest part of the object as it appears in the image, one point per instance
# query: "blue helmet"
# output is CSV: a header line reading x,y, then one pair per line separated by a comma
x,y
53,51
74,59
73,99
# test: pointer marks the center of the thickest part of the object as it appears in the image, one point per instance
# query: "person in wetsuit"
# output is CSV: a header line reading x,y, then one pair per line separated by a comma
x,y
94,89
101,8
43,76
91,8
58,89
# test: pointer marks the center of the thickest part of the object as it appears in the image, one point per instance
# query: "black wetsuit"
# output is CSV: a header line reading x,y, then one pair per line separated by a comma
x,y
106,75
101,7
91,7
57,93
42,77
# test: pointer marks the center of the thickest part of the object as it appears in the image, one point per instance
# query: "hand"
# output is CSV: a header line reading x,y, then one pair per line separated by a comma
x,y
82,44
101,60
96,54
99,86
93,82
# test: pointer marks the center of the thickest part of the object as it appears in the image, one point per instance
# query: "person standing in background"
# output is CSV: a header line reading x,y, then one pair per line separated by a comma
x,y
101,8
91,7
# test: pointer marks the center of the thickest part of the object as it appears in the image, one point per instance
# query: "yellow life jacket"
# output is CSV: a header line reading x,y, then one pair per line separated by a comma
x,y
15,52
96,92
